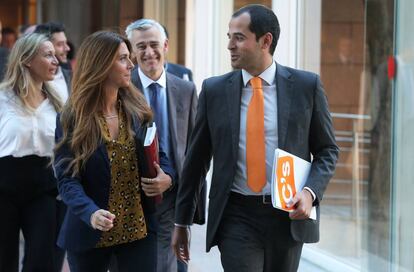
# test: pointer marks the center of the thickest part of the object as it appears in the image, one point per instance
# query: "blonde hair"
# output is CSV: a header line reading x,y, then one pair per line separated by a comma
x,y
81,114
18,77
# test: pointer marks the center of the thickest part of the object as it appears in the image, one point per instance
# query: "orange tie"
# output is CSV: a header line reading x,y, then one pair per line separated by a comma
x,y
255,139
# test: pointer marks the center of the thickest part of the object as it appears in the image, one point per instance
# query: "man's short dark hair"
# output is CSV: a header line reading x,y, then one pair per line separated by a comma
x,y
50,28
8,30
262,20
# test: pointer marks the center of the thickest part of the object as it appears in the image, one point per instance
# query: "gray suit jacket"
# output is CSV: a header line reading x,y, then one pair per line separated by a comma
x,y
182,106
304,128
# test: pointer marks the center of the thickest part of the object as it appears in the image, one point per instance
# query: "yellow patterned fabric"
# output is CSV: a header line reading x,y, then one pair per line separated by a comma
x,y
124,195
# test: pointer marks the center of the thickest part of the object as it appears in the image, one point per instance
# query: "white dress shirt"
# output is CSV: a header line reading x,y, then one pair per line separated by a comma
x,y
26,132
146,81
268,77
270,127
162,97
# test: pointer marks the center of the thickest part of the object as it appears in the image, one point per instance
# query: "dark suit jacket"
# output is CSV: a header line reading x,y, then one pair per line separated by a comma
x,y
89,191
304,128
4,54
183,72
179,70
67,74
182,106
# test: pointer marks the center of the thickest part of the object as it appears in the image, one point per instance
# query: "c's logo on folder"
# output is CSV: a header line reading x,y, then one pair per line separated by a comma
x,y
285,180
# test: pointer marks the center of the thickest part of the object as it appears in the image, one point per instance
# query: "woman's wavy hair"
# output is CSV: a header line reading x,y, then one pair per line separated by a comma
x,y
81,113
18,77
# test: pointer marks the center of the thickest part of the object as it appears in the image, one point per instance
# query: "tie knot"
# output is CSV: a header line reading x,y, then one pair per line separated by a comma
x,y
154,87
256,82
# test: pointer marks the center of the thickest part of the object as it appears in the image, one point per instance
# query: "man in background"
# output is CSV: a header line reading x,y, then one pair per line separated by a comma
x,y
9,37
177,69
56,32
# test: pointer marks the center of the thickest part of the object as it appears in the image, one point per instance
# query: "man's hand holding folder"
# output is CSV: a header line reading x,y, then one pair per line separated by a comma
x,y
302,204
154,187
154,181
289,176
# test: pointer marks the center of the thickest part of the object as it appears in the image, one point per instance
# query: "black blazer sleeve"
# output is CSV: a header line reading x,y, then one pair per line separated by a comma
x,y
322,144
196,164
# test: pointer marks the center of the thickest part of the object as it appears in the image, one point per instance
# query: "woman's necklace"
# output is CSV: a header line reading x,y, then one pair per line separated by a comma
x,y
111,116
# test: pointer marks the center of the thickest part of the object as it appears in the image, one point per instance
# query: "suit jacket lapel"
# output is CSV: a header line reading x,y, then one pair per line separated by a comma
x,y
233,90
173,107
67,75
284,98
135,79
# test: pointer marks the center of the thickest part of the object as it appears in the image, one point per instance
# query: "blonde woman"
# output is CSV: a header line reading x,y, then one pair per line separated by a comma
x,y
99,162
28,108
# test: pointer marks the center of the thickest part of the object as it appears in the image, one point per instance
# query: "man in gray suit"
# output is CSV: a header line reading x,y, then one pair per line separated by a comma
x,y
174,103
281,108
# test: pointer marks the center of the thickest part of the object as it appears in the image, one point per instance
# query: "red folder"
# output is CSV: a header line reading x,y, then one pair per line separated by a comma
x,y
151,152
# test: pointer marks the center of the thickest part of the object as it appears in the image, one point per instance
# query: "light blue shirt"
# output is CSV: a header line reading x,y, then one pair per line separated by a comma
x,y
270,125
164,126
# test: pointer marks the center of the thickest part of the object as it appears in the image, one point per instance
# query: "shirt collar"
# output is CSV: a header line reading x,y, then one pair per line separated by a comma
x,y
146,81
268,75
59,73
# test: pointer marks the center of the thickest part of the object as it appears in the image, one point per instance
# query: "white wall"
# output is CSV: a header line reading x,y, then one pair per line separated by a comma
x,y
286,50
206,38
300,35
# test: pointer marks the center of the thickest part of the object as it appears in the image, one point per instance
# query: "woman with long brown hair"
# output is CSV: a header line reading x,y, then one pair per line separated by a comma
x,y
28,107
99,162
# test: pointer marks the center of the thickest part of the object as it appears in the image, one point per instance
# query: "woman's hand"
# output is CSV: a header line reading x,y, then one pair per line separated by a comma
x,y
102,220
158,185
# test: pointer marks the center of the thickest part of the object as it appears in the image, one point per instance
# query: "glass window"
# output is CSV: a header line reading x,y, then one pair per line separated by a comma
x,y
403,152
356,38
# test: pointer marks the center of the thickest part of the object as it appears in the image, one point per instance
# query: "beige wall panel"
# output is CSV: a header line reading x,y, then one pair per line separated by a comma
x,y
342,84
240,3
343,11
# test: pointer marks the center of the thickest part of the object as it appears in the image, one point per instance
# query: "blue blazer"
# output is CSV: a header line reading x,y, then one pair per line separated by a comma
x,y
179,71
89,191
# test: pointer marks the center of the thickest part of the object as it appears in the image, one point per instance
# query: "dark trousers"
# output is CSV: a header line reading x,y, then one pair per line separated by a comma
x,y
36,218
166,261
255,237
59,253
181,266
140,255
